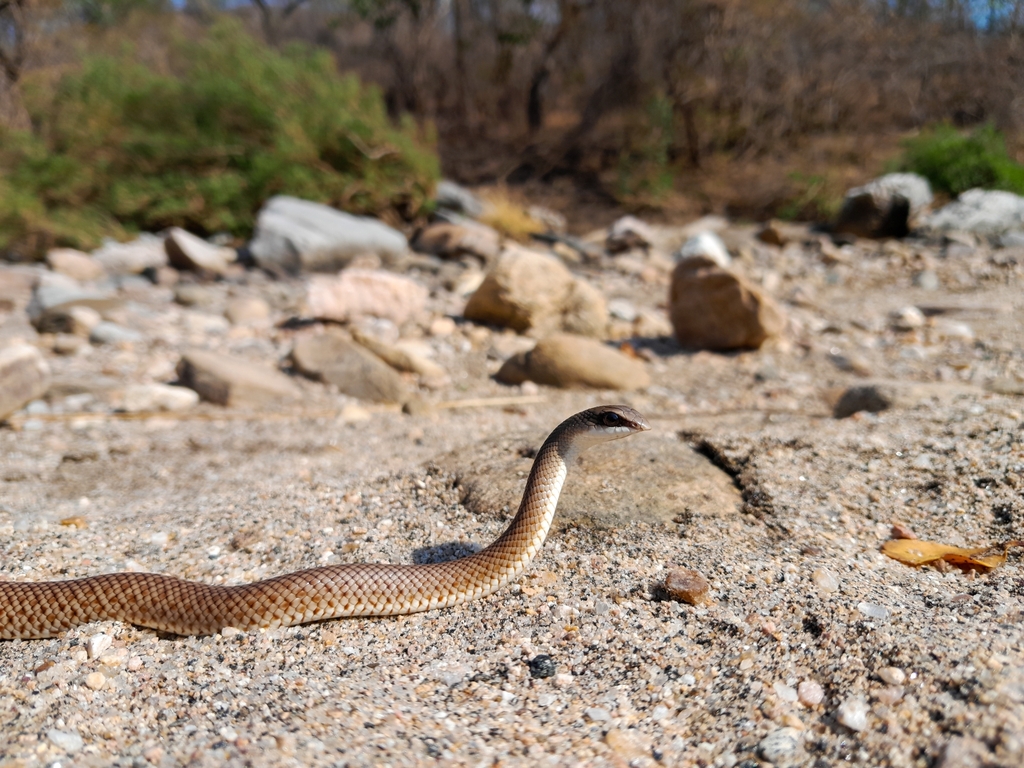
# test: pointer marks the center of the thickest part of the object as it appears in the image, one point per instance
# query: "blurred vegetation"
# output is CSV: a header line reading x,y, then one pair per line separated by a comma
x,y
200,140
954,162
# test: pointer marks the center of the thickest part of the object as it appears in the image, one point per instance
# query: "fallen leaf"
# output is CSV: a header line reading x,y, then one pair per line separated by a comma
x,y
916,552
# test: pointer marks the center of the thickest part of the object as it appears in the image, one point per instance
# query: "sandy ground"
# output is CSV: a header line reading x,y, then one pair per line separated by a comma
x,y
815,648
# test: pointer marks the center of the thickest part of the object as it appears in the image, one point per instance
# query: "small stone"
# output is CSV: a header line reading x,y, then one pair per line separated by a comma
x,y
187,252
907,318
247,309
687,586
442,326
135,664
112,333
873,612
889,695
706,244
781,747
68,344
567,360
75,264
809,693
625,743
546,699
902,531
153,755
597,714
140,398
659,713
785,692
69,742
622,309
97,644
964,752
95,680
132,258
24,377
542,666
563,679
926,280
194,295
627,233
826,581
892,675
230,632
213,552
853,713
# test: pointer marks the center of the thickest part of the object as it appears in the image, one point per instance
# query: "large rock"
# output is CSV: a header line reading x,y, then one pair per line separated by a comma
x,y
144,252
450,241
535,293
982,211
188,252
75,264
889,206
359,293
56,296
713,308
566,360
296,235
354,370
227,380
24,376
651,479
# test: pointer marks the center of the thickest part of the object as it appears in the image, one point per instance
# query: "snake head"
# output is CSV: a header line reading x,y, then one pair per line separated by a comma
x,y
610,422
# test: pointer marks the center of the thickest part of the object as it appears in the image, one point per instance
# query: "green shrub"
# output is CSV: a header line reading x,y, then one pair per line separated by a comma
x,y
119,145
644,175
953,162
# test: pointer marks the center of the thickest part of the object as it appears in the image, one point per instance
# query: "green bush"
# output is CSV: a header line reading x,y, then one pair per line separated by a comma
x,y
953,162
120,145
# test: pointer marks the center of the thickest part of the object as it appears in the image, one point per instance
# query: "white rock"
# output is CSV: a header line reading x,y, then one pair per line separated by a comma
x,y
982,211
706,244
359,293
158,397
810,693
298,235
69,742
97,644
145,252
907,318
853,713
892,675
825,580
598,714
186,251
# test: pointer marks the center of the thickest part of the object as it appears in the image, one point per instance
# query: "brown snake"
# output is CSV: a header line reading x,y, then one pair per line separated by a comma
x,y
169,604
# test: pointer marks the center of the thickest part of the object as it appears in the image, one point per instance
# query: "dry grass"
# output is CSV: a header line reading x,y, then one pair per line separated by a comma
x,y
506,212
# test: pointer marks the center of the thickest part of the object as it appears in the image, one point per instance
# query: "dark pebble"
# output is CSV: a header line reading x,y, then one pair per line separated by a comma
x,y
542,666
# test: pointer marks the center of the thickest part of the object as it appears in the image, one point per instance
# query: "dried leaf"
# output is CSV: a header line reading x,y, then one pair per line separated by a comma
x,y
916,552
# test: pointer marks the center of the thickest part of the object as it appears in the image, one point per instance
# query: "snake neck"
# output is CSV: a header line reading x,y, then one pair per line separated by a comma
x,y
525,535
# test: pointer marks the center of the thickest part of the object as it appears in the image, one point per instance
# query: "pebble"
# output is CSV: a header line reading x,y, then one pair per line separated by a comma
x,y
687,585
546,699
97,644
69,742
95,680
853,713
111,333
892,675
785,692
542,666
153,755
598,714
826,581
873,611
781,747
907,318
230,632
810,693
139,398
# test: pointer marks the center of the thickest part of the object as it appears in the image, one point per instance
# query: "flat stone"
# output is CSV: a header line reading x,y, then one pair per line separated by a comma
x,y
353,369
228,380
66,740
24,376
649,478
431,374
450,241
245,310
187,252
140,398
566,360
298,235
359,293
75,264
686,585
111,333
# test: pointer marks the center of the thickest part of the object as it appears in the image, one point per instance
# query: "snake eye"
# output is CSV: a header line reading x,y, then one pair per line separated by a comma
x,y
611,419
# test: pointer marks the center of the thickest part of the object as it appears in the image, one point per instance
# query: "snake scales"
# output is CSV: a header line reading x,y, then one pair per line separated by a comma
x,y
169,604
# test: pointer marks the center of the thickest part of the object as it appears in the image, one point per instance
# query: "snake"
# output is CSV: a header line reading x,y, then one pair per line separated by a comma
x,y
179,607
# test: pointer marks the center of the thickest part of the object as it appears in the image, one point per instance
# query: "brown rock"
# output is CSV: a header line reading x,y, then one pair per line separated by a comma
x,y
231,381
451,241
713,308
361,292
353,369
566,360
24,376
687,586
188,252
535,293
75,264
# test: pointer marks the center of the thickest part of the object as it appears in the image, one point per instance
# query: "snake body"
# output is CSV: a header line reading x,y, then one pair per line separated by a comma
x,y
173,605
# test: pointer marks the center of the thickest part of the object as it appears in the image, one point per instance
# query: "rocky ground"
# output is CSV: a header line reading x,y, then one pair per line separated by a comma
x,y
811,648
